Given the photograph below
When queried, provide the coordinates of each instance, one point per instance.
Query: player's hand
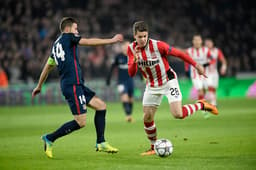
(223, 69)
(136, 55)
(36, 91)
(200, 70)
(118, 38)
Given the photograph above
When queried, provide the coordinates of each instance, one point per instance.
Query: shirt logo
(148, 63)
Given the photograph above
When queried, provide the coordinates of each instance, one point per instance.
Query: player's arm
(49, 65)
(223, 61)
(132, 62)
(171, 51)
(186, 58)
(99, 41)
(211, 59)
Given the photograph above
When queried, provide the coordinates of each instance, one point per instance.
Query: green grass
(227, 141)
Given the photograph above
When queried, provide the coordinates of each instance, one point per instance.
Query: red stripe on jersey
(164, 58)
(203, 49)
(74, 54)
(151, 79)
(76, 101)
(158, 69)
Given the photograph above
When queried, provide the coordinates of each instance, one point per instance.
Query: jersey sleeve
(132, 67)
(163, 47)
(75, 38)
(51, 61)
(220, 54)
(184, 56)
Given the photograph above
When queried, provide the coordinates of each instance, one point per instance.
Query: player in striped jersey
(212, 70)
(203, 56)
(65, 57)
(150, 57)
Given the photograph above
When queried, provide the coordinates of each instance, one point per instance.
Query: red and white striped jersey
(200, 55)
(153, 62)
(216, 54)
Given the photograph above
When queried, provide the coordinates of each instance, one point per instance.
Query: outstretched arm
(99, 41)
(132, 62)
(185, 57)
(47, 68)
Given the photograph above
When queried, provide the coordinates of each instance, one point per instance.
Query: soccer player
(64, 55)
(212, 70)
(125, 85)
(150, 57)
(202, 56)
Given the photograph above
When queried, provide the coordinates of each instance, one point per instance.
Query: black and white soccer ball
(163, 147)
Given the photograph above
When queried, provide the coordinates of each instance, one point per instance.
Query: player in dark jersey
(64, 55)
(125, 85)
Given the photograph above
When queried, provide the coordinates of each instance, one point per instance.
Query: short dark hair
(67, 21)
(140, 26)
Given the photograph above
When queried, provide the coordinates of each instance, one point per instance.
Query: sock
(150, 129)
(131, 106)
(127, 108)
(63, 130)
(200, 97)
(189, 109)
(212, 95)
(99, 122)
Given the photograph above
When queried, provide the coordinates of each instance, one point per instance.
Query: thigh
(97, 104)
(198, 83)
(75, 97)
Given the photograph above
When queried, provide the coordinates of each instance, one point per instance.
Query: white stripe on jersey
(161, 63)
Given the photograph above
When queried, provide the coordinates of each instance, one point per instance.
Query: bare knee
(81, 120)
(148, 117)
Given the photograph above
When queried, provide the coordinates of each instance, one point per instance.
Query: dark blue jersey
(65, 55)
(121, 61)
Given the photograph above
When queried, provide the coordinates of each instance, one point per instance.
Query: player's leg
(150, 103)
(99, 120)
(213, 81)
(175, 101)
(76, 99)
(127, 106)
(198, 84)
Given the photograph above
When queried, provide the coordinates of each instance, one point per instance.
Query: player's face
(141, 38)
(209, 44)
(73, 28)
(197, 41)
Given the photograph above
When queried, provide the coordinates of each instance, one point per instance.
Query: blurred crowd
(28, 29)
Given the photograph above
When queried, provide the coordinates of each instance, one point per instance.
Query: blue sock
(127, 108)
(99, 122)
(63, 130)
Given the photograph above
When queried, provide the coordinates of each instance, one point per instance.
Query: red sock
(150, 129)
(189, 109)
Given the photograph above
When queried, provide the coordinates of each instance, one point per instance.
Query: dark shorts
(126, 87)
(77, 96)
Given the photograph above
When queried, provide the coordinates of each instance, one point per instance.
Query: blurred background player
(150, 57)
(212, 70)
(202, 56)
(65, 56)
(125, 84)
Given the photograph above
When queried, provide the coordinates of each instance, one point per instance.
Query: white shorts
(213, 79)
(153, 96)
(200, 82)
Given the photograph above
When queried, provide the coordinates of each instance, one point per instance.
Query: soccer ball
(163, 147)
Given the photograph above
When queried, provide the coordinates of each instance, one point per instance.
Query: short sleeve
(75, 38)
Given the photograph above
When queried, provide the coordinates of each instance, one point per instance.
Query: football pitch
(227, 141)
